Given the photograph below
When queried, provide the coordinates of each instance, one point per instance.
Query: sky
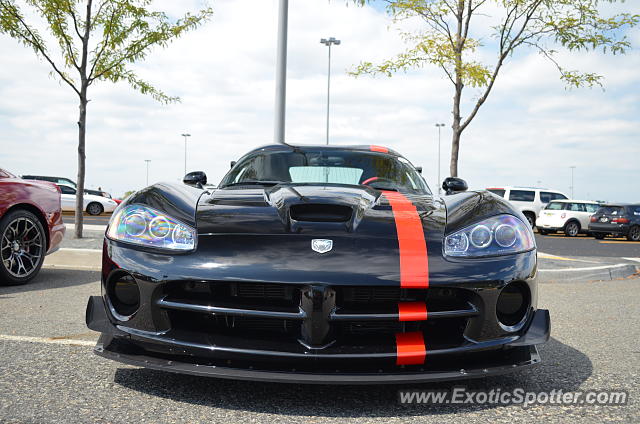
(530, 131)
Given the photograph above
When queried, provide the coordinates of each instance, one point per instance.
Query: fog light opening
(512, 306)
(124, 296)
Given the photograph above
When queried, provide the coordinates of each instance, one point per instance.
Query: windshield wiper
(253, 182)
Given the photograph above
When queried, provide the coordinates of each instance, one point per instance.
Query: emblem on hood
(321, 245)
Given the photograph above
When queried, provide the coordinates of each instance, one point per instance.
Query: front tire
(94, 208)
(634, 233)
(572, 229)
(23, 245)
(543, 232)
(599, 236)
(531, 218)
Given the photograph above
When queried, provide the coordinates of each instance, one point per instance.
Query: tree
(98, 41)
(447, 41)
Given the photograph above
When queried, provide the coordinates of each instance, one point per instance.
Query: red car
(30, 226)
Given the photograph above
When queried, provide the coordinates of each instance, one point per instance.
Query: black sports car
(319, 264)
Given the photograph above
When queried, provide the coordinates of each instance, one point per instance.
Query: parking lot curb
(593, 273)
(71, 227)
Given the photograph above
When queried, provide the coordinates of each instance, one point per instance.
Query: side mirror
(233, 163)
(453, 184)
(419, 169)
(196, 179)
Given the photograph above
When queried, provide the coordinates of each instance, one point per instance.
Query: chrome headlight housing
(144, 226)
(495, 236)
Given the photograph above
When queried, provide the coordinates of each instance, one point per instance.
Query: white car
(529, 200)
(94, 205)
(570, 216)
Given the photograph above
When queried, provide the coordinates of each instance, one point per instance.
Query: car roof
(524, 188)
(46, 176)
(321, 147)
(574, 201)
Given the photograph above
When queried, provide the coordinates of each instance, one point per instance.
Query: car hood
(266, 234)
(313, 210)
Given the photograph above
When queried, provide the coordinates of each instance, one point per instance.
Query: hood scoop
(317, 212)
(313, 207)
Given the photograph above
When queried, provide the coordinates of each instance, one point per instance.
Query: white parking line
(47, 340)
(72, 249)
(73, 267)
(632, 259)
(590, 268)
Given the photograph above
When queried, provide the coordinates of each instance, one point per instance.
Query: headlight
(499, 235)
(147, 227)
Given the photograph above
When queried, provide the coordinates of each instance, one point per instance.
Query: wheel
(531, 218)
(599, 236)
(543, 232)
(23, 245)
(634, 233)
(572, 229)
(95, 208)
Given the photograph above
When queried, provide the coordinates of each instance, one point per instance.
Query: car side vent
(320, 213)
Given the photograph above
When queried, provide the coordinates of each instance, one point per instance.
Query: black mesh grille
(357, 301)
(370, 294)
(359, 328)
(259, 291)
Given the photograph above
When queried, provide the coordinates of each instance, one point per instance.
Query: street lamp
(185, 152)
(572, 168)
(148, 162)
(329, 42)
(439, 126)
(281, 71)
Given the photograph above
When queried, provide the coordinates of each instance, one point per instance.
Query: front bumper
(326, 366)
(550, 223)
(108, 207)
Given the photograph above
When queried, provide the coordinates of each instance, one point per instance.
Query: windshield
(333, 167)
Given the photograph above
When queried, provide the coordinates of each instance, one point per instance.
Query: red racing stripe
(412, 311)
(380, 149)
(410, 348)
(414, 263)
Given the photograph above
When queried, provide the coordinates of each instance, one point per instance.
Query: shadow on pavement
(563, 367)
(52, 278)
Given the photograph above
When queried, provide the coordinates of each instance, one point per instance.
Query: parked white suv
(529, 200)
(570, 216)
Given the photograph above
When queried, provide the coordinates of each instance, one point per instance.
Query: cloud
(531, 129)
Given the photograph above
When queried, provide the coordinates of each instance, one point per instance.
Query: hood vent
(320, 213)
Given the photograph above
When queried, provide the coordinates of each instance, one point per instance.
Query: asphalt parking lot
(583, 245)
(48, 372)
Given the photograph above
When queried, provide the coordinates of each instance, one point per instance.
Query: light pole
(439, 126)
(148, 162)
(329, 42)
(185, 151)
(572, 168)
(281, 71)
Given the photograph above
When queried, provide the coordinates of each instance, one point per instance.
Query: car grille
(362, 315)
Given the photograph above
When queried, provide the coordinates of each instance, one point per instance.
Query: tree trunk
(457, 131)
(455, 148)
(459, 45)
(82, 126)
(82, 120)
